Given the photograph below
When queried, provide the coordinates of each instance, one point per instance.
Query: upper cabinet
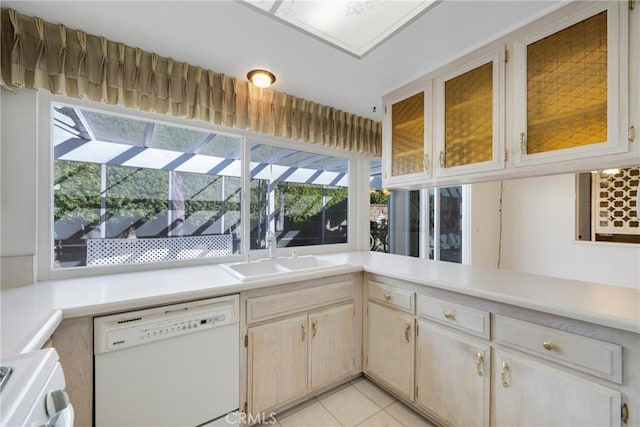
(559, 95)
(407, 132)
(469, 116)
(570, 86)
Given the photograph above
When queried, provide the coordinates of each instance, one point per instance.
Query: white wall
(18, 201)
(538, 236)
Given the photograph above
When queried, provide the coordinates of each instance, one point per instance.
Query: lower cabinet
(391, 348)
(452, 376)
(531, 393)
(277, 362)
(300, 341)
(333, 345)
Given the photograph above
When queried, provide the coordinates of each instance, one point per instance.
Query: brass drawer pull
(407, 328)
(479, 364)
(387, 297)
(448, 315)
(503, 374)
(548, 345)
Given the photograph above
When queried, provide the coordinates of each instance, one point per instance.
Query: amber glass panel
(407, 135)
(567, 87)
(468, 117)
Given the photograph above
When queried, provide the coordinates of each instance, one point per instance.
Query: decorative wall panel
(615, 202)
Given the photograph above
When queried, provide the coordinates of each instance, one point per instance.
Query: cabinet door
(453, 376)
(277, 358)
(571, 85)
(407, 134)
(390, 348)
(332, 350)
(530, 393)
(469, 116)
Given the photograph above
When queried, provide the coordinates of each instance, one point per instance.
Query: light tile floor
(357, 403)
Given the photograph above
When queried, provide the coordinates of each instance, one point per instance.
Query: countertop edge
(44, 332)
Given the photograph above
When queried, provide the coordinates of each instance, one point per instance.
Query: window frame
(465, 223)
(45, 253)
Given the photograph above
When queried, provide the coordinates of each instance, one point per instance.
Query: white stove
(32, 391)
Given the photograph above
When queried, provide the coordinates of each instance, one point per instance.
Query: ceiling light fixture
(261, 78)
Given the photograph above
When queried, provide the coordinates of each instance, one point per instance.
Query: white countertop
(30, 314)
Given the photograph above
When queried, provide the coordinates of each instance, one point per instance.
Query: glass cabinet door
(407, 135)
(569, 86)
(469, 110)
(407, 132)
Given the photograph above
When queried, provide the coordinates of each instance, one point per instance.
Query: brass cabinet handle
(448, 315)
(503, 374)
(425, 162)
(304, 333)
(387, 297)
(407, 328)
(523, 143)
(314, 328)
(548, 345)
(442, 158)
(479, 363)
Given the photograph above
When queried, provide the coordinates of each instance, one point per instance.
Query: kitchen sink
(268, 267)
(305, 262)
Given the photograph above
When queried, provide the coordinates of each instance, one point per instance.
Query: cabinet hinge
(417, 392)
(246, 408)
(632, 133)
(632, 4)
(506, 155)
(624, 413)
(417, 329)
(246, 340)
(506, 55)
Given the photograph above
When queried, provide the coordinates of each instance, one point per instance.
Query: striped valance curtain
(40, 55)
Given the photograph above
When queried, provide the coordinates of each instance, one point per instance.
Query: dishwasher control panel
(131, 329)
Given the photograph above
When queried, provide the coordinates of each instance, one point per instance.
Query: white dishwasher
(174, 365)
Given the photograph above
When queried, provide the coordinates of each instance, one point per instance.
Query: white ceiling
(231, 37)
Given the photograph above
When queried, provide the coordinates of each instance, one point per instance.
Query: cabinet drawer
(595, 357)
(461, 317)
(270, 306)
(395, 297)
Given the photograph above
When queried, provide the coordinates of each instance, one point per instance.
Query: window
(422, 223)
(446, 224)
(128, 190)
(378, 210)
(607, 206)
(300, 197)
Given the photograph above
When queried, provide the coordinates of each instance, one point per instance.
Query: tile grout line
(391, 415)
(366, 419)
(328, 411)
